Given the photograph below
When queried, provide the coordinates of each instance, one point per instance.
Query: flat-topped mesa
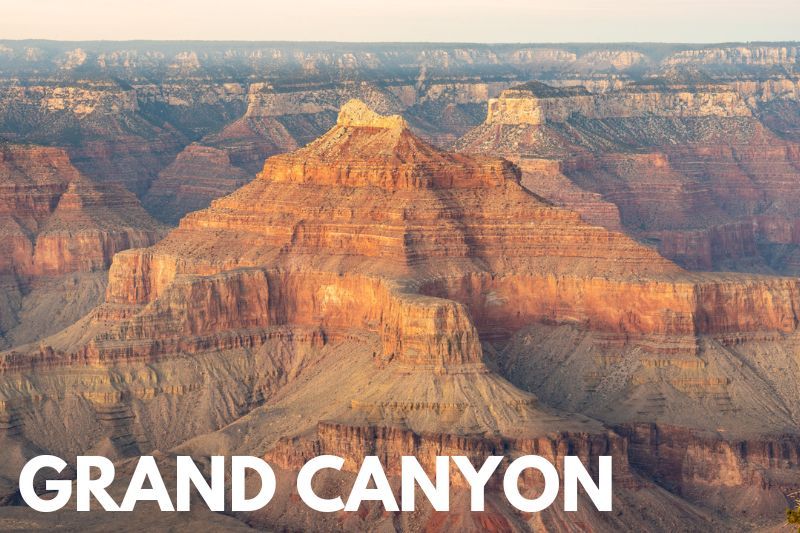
(536, 103)
(366, 149)
(685, 163)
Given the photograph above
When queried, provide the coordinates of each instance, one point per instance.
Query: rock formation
(369, 291)
(690, 167)
(198, 175)
(98, 123)
(58, 223)
(124, 112)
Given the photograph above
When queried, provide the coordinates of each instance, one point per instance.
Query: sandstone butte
(686, 167)
(59, 233)
(371, 294)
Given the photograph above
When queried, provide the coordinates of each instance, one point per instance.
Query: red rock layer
(353, 443)
(248, 141)
(367, 150)
(130, 160)
(710, 470)
(545, 177)
(56, 221)
(198, 175)
(369, 213)
(413, 262)
(710, 248)
(710, 169)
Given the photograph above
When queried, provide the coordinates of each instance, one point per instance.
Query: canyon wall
(690, 167)
(534, 103)
(124, 113)
(370, 293)
(57, 224)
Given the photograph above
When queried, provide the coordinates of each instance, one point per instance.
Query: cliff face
(124, 113)
(690, 167)
(58, 222)
(69, 222)
(370, 293)
(415, 275)
(178, 60)
(99, 123)
(536, 103)
(198, 175)
(742, 55)
(370, 201)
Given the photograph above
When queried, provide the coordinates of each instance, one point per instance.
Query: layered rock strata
(198, 175)
(690, 167)
(56, 223)
(416, 276)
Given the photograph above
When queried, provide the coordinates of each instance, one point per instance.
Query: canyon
(125, 111)
(293, 249)
(60, 232)
(686, 167)
(461, 307)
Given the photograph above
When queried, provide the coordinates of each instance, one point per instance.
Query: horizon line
(483, 43)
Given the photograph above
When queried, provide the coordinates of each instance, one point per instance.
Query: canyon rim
(409, 259)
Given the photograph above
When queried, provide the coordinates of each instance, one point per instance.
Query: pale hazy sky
(404, 20)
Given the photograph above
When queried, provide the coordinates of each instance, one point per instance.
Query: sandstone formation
(368, 292)
(99, 123)
(278, 120)
(124, 112)
(198, 175)
(57, 223)
(690, 167)
(425, 275)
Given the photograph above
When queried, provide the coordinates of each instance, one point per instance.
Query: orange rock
(351, 230)
(689, 167)
(409, 275)
(55, 221)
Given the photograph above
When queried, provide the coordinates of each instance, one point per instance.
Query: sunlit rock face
(691, 167)
(60, 231)
(198, 175)
(372, 293)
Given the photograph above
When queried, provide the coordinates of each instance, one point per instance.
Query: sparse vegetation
(793, 513)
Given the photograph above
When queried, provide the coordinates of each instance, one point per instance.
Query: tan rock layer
(708, 469)
(524, 105)
(58, 221)
(389, 444)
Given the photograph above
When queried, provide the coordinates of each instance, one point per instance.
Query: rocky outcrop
(707, 249)
(99, 123)
(370, 227)
(737, 55)
(545, 177)
(706, 469)
(689, 167)
(279, 120)
(536, 103)
(415, 275)
(91, 223)
(58, 222)
(198, 175)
